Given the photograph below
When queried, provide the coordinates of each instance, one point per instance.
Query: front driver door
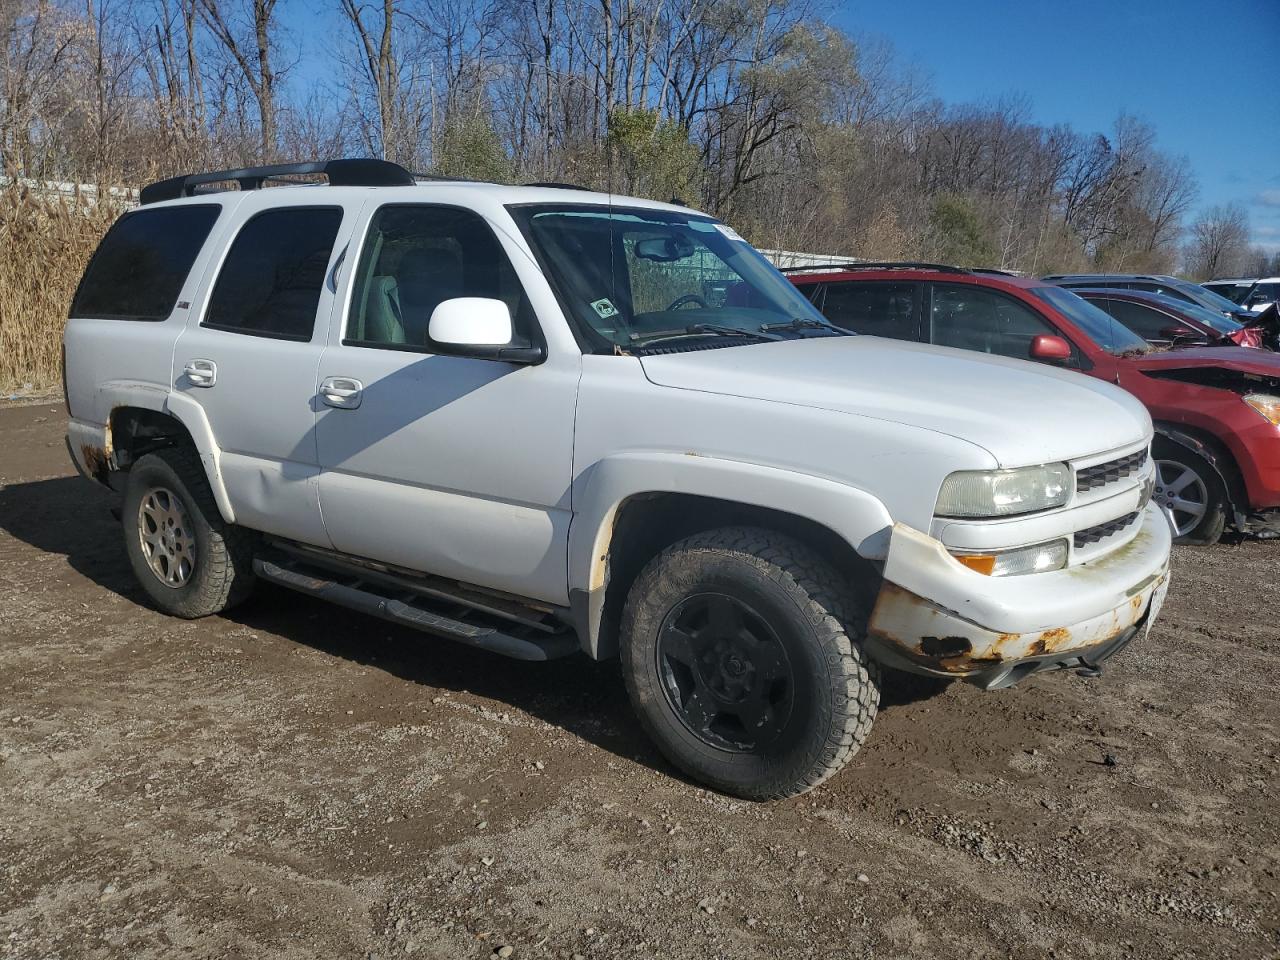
(454, 466)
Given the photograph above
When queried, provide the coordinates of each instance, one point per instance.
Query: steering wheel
(679, 302)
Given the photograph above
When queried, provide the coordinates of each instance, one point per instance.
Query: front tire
(738, 659)
(1190, 493)
(190, 562)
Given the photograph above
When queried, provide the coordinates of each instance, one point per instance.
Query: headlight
(1010, 563)
(1265, 404)
(1004, 493)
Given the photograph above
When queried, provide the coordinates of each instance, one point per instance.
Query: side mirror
(478, 327)
(1052, 349)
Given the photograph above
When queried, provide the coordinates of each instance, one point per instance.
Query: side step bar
(539, 647)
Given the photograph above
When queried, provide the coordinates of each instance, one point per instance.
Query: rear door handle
(341, 392)
(201, 373)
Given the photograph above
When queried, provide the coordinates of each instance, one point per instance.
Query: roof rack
(877, 265)
(341, 173)
(558, 186)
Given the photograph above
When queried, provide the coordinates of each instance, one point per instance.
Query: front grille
(1101, 474)
(1103, 530)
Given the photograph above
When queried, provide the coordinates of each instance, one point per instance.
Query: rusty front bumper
(937, 617)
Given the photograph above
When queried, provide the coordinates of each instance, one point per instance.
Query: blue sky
(1205, 73)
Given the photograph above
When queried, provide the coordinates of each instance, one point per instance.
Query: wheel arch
(1219, 457)
(636, 505)
(143, 420)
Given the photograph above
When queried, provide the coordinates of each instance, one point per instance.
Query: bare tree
(1219, 242)
(246, 35)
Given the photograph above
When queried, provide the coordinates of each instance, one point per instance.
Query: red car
(1216, 409)
(1165, 322)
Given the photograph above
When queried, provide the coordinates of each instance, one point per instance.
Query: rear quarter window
(143, 261)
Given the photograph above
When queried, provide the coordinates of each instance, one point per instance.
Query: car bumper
(937, 617)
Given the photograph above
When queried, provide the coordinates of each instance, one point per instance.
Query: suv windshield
(1204, 296)
(629, 276)
(1210, 318)
(1097, 324)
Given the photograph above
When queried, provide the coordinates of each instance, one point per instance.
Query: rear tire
(1190, 493)
(738, 658)
(190, 562)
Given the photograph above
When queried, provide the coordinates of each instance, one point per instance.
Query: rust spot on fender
(97, 462)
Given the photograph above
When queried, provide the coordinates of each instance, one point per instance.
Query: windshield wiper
(807, 323)
(698, 329)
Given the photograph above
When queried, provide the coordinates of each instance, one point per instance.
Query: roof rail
(341, 173)
(558, 186)
(877, 265)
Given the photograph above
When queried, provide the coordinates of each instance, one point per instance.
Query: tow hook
(1088, 670)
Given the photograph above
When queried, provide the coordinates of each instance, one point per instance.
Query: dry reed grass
(45, 243)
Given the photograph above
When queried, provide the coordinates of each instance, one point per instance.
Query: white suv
(540, 420)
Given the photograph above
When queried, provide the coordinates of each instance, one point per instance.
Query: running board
(359, 598)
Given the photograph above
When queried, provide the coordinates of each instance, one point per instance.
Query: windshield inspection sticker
(604, 308)
(729, 232)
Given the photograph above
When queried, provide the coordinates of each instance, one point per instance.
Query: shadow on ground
(72, 518)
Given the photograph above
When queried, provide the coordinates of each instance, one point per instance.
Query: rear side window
(270, 282)
(1145, 322)
(876, 308)
(142, 262)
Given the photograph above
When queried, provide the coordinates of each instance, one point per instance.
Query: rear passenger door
(876, 308)
(250, 353)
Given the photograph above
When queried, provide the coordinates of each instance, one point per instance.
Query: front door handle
(341, 392)
(201, 373)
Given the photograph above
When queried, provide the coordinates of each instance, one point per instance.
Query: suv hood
(1021, 413)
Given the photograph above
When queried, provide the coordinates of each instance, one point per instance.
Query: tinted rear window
(270, 283)
(142, 262)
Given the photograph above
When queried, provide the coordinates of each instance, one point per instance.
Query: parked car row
(539, 420)
(1216, 409)
(1254, 295)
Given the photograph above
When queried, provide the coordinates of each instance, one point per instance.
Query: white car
(541, 420)
(1264, 293)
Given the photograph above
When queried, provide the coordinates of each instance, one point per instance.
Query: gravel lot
(295, 781)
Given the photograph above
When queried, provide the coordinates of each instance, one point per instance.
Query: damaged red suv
(1216, 409)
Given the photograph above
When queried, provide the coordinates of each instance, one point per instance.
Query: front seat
(426, 278)
(382, 312)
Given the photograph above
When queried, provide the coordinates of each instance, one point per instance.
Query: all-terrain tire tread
(229, 577)
(831, 605)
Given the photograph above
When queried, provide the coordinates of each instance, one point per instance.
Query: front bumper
(937, 617)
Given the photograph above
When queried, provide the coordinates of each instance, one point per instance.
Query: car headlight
(1265, 404)
(1009, 563)
(1004, 493)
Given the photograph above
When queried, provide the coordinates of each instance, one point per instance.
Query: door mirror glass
(1049, 348)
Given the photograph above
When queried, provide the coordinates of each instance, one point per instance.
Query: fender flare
(148, 396)
(1212, 456)
(852, 514)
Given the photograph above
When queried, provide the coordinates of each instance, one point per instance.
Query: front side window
(1147, 322)
(270, 282)
(142, 263)
(1264, 293)
(415, 257)
(974, 318)
(630, 277)
(1103, 329)
(877, 308)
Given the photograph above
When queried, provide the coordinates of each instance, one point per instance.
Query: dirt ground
(296, 781)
